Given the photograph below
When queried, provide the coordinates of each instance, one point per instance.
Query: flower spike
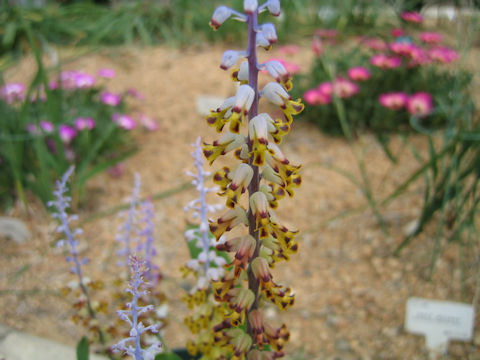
(266, 176)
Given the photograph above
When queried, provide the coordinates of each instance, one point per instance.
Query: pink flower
(393, 100)
(111, 99)
(124, 121)
(359, 73)
(397, 32)
(291, 67)
(53, 85)
(47, 126)
(148, 123)
(444, 55)
(326, 88)
(404, 48)
(420, 104)
(375, 44)
(385, 62)
(344, 88)
(431, 37)
(12, 92)
(83, 123)
(67, 133)
(76, 80)
(106, 73)
(289, 49)
(316, 97)
(412, 17)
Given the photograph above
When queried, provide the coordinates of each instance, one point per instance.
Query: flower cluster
(267, 176)
(86, 309)
(136, 236)
(132, 316)
(388, 68)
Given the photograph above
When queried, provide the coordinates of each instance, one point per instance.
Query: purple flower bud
(67, 133)
(83, 123)
(124, 121)
(12, 92)
(47, 126)
(111, 99)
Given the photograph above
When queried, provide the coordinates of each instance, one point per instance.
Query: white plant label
(439, 322)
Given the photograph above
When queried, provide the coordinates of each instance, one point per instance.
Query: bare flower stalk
(268, 176)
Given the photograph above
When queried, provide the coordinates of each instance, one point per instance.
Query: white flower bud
(244, 98)
(276, 70)
(229, 58)
(275, 93)
(262, 41)
(250, 6)
(268, 30)
(220, 15)
(243, 71)
(274, 7)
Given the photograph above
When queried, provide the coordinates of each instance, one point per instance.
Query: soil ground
(350, 291)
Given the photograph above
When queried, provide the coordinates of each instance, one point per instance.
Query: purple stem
(253, 283)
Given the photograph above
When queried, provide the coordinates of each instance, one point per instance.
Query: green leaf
(10, 32)
(82, 349)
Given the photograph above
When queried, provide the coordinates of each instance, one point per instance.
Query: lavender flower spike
(125, 231)
(200, 210)
(132, 314)
(62, 203)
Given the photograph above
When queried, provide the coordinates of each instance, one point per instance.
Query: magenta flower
(359, 73)
(385, 61)
(316, 97)
(106, 73)
(420, 104)
(76, 80)
(12, 92)
(344, 88)
(431, 37)
(47, 126)
(124, 121)
(67, 133)
(83, 80)
(393, 100)
(444, 55)
(412, 17)
(148, 123)
(375, 44)
(111, 99)
(397, 32)
(404, 48)
(326, 88)
(83, 123)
